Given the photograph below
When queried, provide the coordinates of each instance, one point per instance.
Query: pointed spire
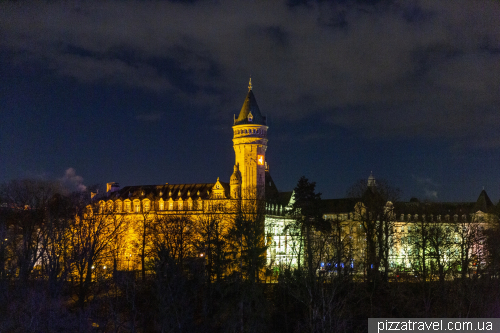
(371, 180)
(250, 107)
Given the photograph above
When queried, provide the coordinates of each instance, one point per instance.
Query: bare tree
(374, 212)
(441, 245)
(175, 235)
(26, 204)
(470, 237)
(93, 230)
(56, 245)
(211, 243)
(340, 247)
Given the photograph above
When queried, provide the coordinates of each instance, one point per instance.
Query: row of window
(341, 217)
(430, 217)
(146, 206)
(408, 217)
(250, 131)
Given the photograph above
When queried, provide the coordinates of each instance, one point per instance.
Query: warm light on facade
(260, 159)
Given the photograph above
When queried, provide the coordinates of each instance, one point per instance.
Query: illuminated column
(250, 144)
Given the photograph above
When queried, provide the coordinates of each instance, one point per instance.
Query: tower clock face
(260, 159)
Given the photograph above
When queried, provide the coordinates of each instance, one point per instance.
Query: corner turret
(235, 183)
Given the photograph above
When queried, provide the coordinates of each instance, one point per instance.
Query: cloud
(431, 194)
(380, 68)
(428, 186)
(72, 182)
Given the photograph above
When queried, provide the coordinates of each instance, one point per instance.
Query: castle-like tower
(250, 144)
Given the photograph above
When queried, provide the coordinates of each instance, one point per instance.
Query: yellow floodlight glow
(260, 159)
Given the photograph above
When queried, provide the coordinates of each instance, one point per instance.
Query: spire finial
(250, 84)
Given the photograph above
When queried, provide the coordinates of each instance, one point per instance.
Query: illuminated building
(249, 185)
(447, 224)
(252, 190)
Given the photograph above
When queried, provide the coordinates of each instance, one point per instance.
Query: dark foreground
(179, 304)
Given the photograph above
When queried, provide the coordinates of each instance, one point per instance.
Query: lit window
(171, 206)
(127, 206)
(137, 207)
(180, 205)
(118, 207)
(260, 159)
(161, 205)
(146, 206)
(190, 205)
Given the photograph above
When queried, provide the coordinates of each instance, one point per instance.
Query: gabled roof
(165, 192)
(271, 191)
(434, 208)
(336, 206)
(285, 198)
(250, 106)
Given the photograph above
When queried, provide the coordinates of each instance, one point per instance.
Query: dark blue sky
(144, 92)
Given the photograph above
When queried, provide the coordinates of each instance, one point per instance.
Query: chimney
(112, 187)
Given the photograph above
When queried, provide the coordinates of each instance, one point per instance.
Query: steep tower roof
(483, 203)
(250, 113)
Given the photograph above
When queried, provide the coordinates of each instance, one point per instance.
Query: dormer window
(250, 117)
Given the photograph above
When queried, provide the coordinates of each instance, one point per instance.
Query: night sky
(144, 92)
